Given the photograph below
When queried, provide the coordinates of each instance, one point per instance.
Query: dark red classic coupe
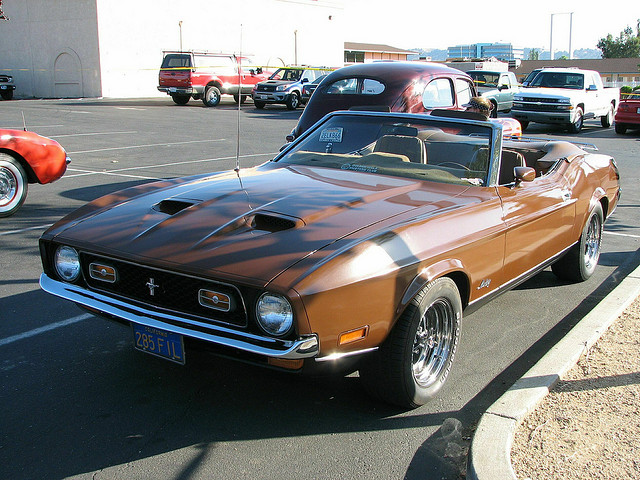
(360, 246)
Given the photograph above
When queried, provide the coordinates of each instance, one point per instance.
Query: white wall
(113, 48)
(50, 48)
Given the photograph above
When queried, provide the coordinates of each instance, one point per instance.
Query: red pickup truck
(207, 76)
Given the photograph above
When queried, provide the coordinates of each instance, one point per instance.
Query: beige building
(371, 52)
(113, 48)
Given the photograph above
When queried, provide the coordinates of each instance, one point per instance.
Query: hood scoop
(171, 206)
(270, 222)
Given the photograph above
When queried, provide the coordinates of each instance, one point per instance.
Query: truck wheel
(607, 120)
(414, 361)
(13, 185)
(180, 99)
(258, 104)
(576, 126)
(524, 124)
(494, 110)
(293, 101)
(211, 97)
(621, 129)
(6, 94)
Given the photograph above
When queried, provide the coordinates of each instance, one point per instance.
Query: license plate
(173, 89)
(158, 342)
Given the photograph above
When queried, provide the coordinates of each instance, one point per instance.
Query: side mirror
(259, 70)
(252, 71)
(524, 174)
(592, 88)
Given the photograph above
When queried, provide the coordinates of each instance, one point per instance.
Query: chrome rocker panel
(304, 347)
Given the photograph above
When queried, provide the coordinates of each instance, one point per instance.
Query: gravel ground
(589, 424)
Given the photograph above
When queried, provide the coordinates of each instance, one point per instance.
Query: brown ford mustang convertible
(358, 247)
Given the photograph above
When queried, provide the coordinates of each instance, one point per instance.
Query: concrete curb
(490, 453)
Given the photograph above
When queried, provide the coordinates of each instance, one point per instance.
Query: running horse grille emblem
(152, 286)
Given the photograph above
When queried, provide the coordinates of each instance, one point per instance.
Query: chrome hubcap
(433, 341)
(592, 243)
(8, 186)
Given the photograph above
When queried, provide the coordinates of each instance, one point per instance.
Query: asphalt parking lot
(79, 402)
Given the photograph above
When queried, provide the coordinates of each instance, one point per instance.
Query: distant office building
(501, 51)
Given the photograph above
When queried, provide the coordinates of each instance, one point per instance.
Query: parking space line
(84, 173)
(129, 147)
(187, 162)
(622, 234)
(46, 328)
(89, 134)
(39, 227)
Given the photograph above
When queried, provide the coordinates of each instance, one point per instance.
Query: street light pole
(180, 27)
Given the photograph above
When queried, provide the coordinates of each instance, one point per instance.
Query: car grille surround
(166, 290)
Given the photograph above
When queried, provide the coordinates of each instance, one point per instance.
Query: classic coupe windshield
(429, 149)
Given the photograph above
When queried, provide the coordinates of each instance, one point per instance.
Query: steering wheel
(456, 164)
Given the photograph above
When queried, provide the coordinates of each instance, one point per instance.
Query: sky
(439, 24)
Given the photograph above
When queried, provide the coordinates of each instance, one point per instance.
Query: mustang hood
(255, 225)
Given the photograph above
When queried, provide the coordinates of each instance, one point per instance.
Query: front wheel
(239, 98)
(579, 263)
(607, 120)
(293, 101)
(211, 96)
(13, 185)
(576, 126)
(414, 361)
(258, 104)
(524, 124)
(6, 94)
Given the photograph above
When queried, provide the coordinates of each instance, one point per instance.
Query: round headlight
(67, 263)
(274, 314)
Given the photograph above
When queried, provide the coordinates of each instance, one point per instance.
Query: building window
(353, 57)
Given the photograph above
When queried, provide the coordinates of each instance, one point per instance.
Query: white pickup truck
(565, 96)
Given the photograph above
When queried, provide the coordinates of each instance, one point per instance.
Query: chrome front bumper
(303, 347)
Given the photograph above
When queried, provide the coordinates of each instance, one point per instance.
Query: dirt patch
(589, 424)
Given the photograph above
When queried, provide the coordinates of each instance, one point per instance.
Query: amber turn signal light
(353, 335)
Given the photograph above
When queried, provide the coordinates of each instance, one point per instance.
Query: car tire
(494, 110)
(524, 124)
(607, 120)
(259, 105)
(579, 263)
(180, 99)
(293, 101)
(6, 94)
(576, 126)
(14, 184)
(414, 362)
(211, 97)
(240, 98)
(620, 128)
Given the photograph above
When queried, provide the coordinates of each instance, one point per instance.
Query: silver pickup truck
(566, 96)
(498, 87)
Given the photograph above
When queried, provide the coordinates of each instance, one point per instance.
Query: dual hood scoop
(172, 206)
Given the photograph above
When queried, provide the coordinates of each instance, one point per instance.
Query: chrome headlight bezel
(67, 263)
(274, 314)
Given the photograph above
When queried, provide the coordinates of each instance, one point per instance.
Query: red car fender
(44, 159)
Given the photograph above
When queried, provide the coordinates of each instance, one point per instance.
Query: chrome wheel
(592, 242)
(433, 341)
(13, 185)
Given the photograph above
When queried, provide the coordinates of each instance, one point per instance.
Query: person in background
(479, 105)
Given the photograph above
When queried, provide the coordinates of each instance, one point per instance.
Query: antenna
(239, 64)
(24, 122)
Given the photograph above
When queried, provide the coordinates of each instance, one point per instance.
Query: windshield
(559, 80)
(485, 79)
(288, 74)
(432, 150)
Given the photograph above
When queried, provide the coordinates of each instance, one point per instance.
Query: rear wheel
(211, 96)
(621, 129)
(13, 185)
(607, 120)
(576, 126)
(579, 263)
(524, 124)
(414, 362)
(180, 99)
(494, 110)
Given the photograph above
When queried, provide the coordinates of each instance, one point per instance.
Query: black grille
(171, 291)
(546, 100)
(266, 88)
(533, 107)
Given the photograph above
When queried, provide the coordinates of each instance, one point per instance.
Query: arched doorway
(67, 75)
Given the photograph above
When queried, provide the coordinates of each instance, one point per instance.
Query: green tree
(627, 45)
(534, 54)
